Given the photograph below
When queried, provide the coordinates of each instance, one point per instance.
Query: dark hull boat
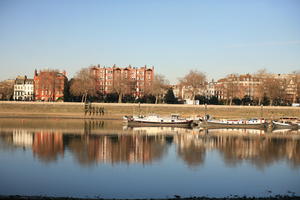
(248, 124)
(284, 125)
(153, 121)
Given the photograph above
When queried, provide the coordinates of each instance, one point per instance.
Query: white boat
(225, 123)
(155, 120)
(284, 125)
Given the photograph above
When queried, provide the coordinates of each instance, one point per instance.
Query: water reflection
(99, 142)
(47, 145)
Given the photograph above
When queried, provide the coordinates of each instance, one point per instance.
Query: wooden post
(139, 108)
(261, 111)
(205, 116)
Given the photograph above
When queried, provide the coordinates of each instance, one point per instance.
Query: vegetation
(195, 81)
(123, 85)
(83, 84)
(170, 97)
(6, 90)
(269, 89)
(159, 87)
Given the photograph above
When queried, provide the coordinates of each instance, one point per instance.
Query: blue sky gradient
(215, 37)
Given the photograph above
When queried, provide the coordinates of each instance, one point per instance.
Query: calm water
(104, 159)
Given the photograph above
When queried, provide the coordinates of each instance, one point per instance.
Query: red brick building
(108, 76)
(49, 85)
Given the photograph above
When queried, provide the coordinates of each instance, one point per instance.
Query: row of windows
(46, 92)
(123, 71)
(19, 93)
(132, 78)
(22, 87)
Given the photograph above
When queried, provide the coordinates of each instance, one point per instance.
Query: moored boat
(284, 125)
(155, 120)
(225, 123)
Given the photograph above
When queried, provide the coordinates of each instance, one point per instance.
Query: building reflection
(22, 138)
(48, 145)
(117, 149)
(147, 145)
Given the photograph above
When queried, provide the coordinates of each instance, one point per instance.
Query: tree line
(83, 87)
(267, 89)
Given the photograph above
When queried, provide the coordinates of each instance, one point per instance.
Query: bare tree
(297, 86)
(84, 84)
(260, 90)
(194, 81)
(123, 84)
(158, 87)
(6, 89)
(274, 88)
(49, 82)
(231, 88)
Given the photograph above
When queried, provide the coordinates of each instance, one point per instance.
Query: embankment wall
(116, 111)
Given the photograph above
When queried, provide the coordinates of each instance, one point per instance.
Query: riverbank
(116, 111)
(277, 197)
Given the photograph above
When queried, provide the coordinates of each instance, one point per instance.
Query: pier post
(139, 108)
(205, 116)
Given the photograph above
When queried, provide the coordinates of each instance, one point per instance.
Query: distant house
(49, 85)
(23, 89)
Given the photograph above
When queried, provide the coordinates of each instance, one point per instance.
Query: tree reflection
(87, 149)
(192, 151)
(116, 149)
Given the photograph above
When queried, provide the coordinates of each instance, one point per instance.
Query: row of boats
(207, 122)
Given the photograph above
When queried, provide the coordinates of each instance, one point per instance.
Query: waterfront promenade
(12, 109)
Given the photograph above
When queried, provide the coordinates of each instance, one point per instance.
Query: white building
(211, 89)
(23, 89)
(22, 137)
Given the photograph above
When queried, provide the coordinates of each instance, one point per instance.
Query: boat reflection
(99, 143)
(160, 130)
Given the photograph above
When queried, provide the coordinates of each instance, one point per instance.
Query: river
(86, 158)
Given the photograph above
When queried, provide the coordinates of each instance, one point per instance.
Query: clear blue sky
(215, 37)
